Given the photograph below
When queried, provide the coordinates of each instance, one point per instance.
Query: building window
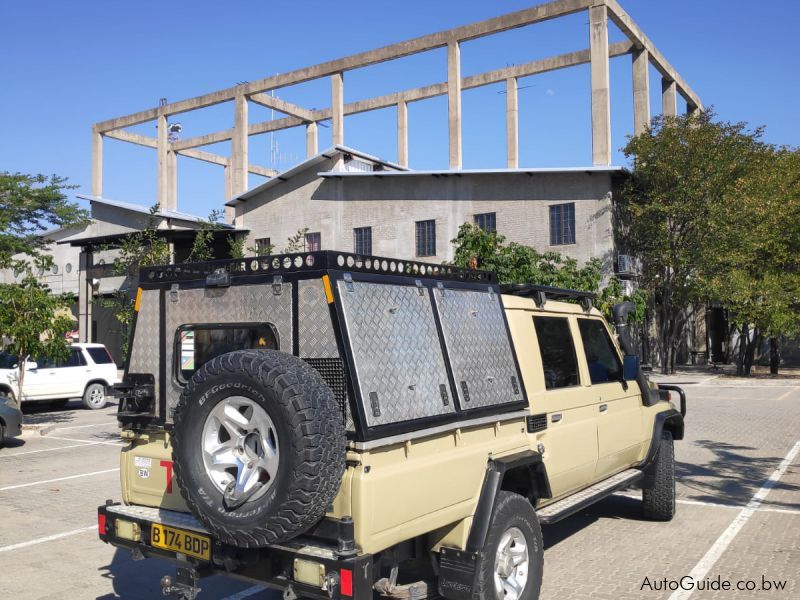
(426, 238)
(562, 224)
(487, 221)
(313, 241)
(263, 246)
(362, 240)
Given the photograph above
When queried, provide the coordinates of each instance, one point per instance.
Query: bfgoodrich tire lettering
(308, 432)
(658, 502)
(513, 518)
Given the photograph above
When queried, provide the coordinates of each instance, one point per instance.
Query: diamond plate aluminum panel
(396, 350)
(144, 351)
(239, 304)
(317, 339)
(478, 347)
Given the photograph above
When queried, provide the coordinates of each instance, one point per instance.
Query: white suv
(85, 373)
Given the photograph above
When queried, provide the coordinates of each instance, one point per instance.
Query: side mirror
(630, 367)
(31, 366)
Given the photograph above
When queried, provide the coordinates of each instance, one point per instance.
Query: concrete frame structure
(237, 166)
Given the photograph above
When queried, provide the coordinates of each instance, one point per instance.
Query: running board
(580, 500)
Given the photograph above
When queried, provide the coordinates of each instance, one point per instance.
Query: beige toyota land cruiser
(342, 426)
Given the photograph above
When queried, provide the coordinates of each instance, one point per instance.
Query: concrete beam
(622, 20)
(162, 147)
(669, 98)
(402, 134)
(274, 125)
(143, 140)
(287, 108)
(691, 109)
(337, 108)
(512, 124)
(97, 163)
(421, 44)
(641, 91)
(208, 157)
(263, 171)
(454, 103)
(601, 101)
(203, 140)
(312, 140)
(239, 158)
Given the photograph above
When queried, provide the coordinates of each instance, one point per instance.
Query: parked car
(10, 419)
(85, 373)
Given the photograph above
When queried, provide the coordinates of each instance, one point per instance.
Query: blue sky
(70, 64)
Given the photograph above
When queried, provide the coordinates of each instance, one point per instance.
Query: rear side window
(601, 357)
(100, 356)
(558, 352)
(198, 344)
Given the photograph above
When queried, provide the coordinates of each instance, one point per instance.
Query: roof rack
(280, 264)
(540, 293)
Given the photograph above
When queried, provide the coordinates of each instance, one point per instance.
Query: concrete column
(512, 124)
(337, 108)
(601, 104)
(230, 212)
(162, 148)
(669, 98)
(239, 158)
(691, 108)
(85, 293)
(312, 140)
(641, 90)
(454, 102)
(97, 163)
(171, 200)
(402, 133)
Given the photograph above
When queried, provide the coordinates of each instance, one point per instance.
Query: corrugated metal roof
(460, 172)
(166, 214)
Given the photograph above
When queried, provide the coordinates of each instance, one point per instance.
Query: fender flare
(528, 461)
(670, 420)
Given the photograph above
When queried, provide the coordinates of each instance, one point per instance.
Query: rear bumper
(13, 422)
(280, 566)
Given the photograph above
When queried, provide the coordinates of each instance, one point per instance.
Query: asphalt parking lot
(738, 514)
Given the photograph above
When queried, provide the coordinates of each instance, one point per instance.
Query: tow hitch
(184, 585)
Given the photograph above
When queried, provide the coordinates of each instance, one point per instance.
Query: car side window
(75, 359)
(557, 350)
(601, 356)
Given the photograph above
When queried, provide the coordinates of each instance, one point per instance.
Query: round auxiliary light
(340, 260)
(287, 262)
(350, 261)
(310, 260)
(298, 261)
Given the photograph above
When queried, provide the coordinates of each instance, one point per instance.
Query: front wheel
(94, 397)
(510, 567)
(658, 501)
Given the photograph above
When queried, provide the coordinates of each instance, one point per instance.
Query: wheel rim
(511, 565)
(96, 395)
(240, 445)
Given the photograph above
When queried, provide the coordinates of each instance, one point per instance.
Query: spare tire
(258, 447)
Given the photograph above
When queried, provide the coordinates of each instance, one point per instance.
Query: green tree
(685, 169)
(34, 322)
(30, 204)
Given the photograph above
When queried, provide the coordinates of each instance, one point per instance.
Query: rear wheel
(658, 501)
(94, 397)
(510, 567)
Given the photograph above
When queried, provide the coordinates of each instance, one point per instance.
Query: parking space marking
(24, 485)
(786, 511)
(112, 422)
(50, 449)
(49, 538)
(702, 568)
(54, 437)
(251, 591)
(787, 394)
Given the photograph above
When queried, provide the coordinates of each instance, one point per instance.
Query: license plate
(178, 540)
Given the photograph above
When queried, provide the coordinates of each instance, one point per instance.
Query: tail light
(101, 524)
(346, 582)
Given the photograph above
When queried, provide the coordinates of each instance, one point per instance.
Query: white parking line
(786, 511)
(786, 395)
(49, 538)
(251, 591)
(54, 437)
(114, 422)
(24, 485)
(723, 541)
(50, 449)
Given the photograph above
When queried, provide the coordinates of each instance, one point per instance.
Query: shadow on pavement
(613, 507)
(12, 443)
(731, 476)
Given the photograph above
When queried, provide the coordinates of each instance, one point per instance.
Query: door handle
(556, 418)
(603, 407)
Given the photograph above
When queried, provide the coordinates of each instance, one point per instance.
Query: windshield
(7, 361)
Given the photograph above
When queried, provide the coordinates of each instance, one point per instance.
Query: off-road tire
(90, 393)
(510, 510)
(310, 436)
(658, 501)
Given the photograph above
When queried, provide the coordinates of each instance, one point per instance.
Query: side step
(580, 500)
